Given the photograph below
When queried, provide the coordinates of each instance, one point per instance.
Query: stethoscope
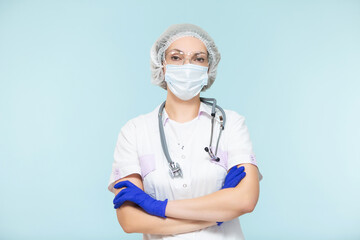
(175, 170)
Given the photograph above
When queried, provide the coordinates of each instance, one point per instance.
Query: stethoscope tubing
(175, 169)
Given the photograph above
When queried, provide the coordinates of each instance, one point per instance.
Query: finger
(122, 184)
(230, 174)
(237, 180)
(120, 194)
(119, 202)
(117, 205)
(236, 174)
(233, 169)
(241, 169)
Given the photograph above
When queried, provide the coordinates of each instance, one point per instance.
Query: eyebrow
(175, 49)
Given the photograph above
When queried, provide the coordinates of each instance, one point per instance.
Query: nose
(187, 59)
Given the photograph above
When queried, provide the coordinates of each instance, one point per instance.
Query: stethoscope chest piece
(175, 170)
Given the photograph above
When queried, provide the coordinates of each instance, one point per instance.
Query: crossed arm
(192, 214)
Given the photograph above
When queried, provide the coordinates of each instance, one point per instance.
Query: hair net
(173, 33)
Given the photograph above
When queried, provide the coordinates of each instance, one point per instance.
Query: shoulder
(233, 118)
(142, 120)
(231, 114)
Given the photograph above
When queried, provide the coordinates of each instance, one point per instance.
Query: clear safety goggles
(178, 57)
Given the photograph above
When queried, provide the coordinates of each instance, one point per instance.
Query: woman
(169, 182)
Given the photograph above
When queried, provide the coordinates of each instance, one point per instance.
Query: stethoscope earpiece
(212, 155)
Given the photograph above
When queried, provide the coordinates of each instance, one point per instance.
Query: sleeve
(126, 160)
(240, 149)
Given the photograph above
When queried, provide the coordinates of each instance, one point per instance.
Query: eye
(175, 58)
(200, 59)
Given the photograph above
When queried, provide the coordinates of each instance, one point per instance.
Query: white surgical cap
(173, 33)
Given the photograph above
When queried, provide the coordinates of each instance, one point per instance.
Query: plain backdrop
(72, 73)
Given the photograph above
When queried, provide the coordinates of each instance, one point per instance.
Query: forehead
(187, 44)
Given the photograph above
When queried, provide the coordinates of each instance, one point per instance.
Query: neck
(182, 111)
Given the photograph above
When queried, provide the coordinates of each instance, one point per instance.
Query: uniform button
(184, 185)
(183, 156)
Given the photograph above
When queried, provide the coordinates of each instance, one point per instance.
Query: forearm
(222, 205)
(219, 206)
(135, 220)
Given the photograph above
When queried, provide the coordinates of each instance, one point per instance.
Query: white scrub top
(139, 150)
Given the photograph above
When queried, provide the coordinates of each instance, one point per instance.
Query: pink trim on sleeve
(116, 174)
(253, 159)
(223, 155)
(147, 164)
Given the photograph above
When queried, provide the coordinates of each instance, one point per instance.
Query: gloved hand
(232, 179)
(134, 194)
(234, 176)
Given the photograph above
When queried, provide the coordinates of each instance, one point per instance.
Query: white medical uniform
(139, 150)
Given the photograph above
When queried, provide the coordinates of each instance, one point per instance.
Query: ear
(164, 68)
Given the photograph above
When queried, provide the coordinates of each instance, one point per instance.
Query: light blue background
(73, 72)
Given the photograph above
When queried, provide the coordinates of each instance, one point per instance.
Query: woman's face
(186, 45)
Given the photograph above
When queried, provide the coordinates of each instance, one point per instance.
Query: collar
(204, 110)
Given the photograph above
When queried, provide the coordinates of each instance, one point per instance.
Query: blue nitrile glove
(134, 194)
(232, 179)
(234, 176)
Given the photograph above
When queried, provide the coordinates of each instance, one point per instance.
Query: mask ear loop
(163, 60)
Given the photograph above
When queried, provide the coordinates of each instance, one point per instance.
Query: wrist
(163, 208)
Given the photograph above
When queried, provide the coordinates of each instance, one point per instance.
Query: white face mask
(186, 81)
